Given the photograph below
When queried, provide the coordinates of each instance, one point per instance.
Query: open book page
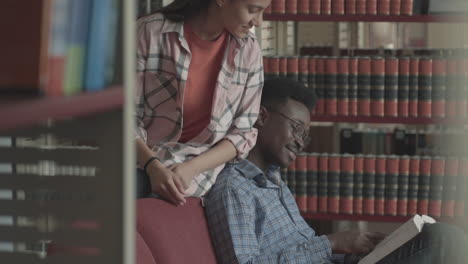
(397, 238)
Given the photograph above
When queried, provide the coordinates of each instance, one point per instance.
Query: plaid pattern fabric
(253, 220)
(163, 59)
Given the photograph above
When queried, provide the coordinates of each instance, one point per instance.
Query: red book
(315, 6)
(377, 86)
(301, 182)
(350, 7)
(291, 7)
(450, 187)
(303, 6)
(462, 80)
(361, 7)
(451, 88)
(403, 186)
(424, 185)
(413, 87)
(346, 184)
(391, 86)
(330, 85)
(274, 67)
(439, 73)
(425, 88)
(292, 65)
(268, 9)
(368, 189)
(406, 7)
(319, 85)
(353, 87)
(334, 183)
(325, 7)
(283, 66)
(413, 185)
(323, 183)
(371, 7)
(395, 7)
(304, 70)
(312, 182)
(380, 173)
(436, 186)
(358, 184)
(364, 74)
(461, 187)
(383, 7)
(403, 86)
(338, 7)
(311, 78)
(278, 6)
(343, 86)
(391, 185)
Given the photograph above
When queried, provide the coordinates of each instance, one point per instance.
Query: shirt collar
(252, 172)
(178, 27)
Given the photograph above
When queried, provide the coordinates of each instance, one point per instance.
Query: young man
(253, 217)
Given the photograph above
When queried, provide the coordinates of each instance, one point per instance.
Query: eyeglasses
(299, 131)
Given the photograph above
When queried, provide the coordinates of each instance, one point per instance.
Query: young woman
(200, 77)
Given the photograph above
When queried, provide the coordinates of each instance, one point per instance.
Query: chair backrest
(175, 234)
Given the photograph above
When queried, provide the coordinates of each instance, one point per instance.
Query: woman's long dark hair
(181, 10)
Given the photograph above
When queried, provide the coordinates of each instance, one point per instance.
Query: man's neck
(257, 159)
(207, 25)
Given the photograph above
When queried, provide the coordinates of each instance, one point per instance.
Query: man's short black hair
(276, 91)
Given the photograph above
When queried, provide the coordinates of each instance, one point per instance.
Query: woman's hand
(184, 173)
(163, 182)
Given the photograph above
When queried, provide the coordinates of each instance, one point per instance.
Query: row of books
(379, 86)
(341, 7)
(75, 46)
(328, 50)
(400, 141)
(378, 185)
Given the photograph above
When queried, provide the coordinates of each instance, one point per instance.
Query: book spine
(303, 7)
(380, 171)
(425, 88)
(353, 87)
(439, 73)
(312, 182)
(424, 185)
(391, 86)
(292, 64)
(371, 7)
(338, 7)
(346, 184)
(383, 7)
(403, 186)
(304, 70)
(343, 87)
(395, 7)
(462, 82)
(301, 182)
(291, 7)
(403, 86)
(350, 7)
(273, 66)
(364, 72)
(323, 183)
(451, 88)
(333, 184)
(278, 6)
(292, 178)
(315, 6)
(413, 185)
(361, 7)
(450, 187)
(319, 88)
(330, 79)
(358, 184)
(368, 190)
(413, 87)
(461, 187)
(266, 67)
(311, 78)
(325, 7)
(377, 86)
(436, 186)
(407, 7)
(283, 66)
(391, 185)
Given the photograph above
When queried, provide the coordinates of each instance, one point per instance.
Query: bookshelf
(368, 18)
(67, 159)
(388, 120)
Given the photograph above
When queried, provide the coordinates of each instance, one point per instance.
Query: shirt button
(304, 245)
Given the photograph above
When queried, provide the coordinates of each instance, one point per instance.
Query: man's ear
(262, 117)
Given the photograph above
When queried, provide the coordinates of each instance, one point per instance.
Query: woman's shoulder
(155, 22)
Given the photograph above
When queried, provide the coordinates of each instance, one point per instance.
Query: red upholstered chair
(174, 234)
(143, 253)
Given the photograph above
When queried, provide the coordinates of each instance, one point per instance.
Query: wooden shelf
(455, 18)
(21, 113)
(373, 218)
(388, 120)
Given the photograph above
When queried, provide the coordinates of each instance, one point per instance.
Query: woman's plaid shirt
(163, 60)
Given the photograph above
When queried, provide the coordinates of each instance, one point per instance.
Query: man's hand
(351, 242)
(163, 183)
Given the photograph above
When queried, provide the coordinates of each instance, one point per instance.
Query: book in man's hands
(397, 238)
